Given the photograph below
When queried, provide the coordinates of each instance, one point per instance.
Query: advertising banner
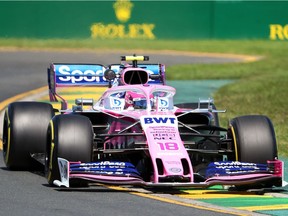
(147, 20)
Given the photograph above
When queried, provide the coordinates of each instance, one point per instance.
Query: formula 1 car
(134, 134)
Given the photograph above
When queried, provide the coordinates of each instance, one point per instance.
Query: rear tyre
(69, 137)
(24, 133)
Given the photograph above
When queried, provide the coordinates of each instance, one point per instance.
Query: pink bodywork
(160, 128)
(159, 125)
(164, 143)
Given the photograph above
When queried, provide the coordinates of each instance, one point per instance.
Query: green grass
(260, 87)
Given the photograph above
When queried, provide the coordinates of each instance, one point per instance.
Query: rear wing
(72, 75)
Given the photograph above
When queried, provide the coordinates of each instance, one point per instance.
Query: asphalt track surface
(26, 193)
(21, 71)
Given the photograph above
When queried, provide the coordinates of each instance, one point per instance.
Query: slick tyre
(24, 133)
(254, 139)
(69, 137)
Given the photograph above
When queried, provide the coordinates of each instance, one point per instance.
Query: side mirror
(109, 75)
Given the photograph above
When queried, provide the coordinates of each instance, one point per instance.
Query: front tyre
(255, 142)
(254, 139)
(69, 137)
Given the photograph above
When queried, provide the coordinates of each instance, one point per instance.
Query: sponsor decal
(235, 164)
(164, 136)
(175, 170)
(117, 103)
(173, 162)
(164, 102)
(123, 11)
(278, 32)
(159, 120)
(163, 133)
(79, 74)
(233, 168)
(110, 163)
(105, 168)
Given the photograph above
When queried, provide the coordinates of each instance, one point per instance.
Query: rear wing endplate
(68, 75)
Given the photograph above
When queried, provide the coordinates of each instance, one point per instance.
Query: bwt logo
(117, 102)
(163, 103)
(159, 120)
(75, 76)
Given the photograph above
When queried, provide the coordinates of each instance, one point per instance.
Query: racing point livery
(135, 135)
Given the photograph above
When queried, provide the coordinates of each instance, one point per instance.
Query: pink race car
(134, 134)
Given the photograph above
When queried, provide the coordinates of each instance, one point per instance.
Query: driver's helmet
(139, 103)
(135, 100)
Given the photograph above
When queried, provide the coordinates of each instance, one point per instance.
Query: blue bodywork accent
(223, 168)
(77, 74)
(106, 168)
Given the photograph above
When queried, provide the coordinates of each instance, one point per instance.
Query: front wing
(123, 173)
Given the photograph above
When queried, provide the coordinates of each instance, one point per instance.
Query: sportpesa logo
(79, 74)
(85, 74)
(123, 11)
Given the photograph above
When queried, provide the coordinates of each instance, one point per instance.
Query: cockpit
(158, 98)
